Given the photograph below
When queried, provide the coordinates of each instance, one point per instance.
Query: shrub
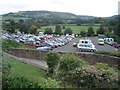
(5, 68)
(70, 62)
(66, 68)
(102, 65)
(50, 83)
(13, 44)
(18, 82)
(78, 73)
(52, 59)
(91, 76)
(9, 43)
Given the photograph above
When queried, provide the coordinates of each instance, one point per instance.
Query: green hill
(44, 15)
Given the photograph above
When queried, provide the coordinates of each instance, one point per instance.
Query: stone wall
(89, 57)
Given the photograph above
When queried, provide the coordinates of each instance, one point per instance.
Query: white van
(108, 40)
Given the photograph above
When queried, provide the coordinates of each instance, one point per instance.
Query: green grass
(42, 29)
(28, 71)
(76, 29)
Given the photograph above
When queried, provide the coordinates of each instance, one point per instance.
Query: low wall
(91, 58)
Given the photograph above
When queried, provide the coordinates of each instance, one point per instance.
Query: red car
(32, 43)
(114, 43)
(117, 46)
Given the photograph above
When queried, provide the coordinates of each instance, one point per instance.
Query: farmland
(76, 29)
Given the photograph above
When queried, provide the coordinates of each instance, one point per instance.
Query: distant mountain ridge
(47, 15)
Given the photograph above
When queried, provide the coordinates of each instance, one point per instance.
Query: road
(69, 47)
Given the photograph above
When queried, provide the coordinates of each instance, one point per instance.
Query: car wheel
(92, 50)
(80, 49)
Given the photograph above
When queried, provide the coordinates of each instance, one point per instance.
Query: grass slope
(28, 71)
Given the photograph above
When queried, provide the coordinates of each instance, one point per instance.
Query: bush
(50, 83)
(18, 82)
(102, 65)
(78, 73)
(6, 43)
(52, 59)
(5, 68)
(66, 68)
(117, 54)
(70, 62)
(91, 77)
(9, 43)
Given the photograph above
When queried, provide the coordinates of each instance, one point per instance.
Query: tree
(90, 31)
(79, 24)
(12, 26)
(24, 28)
(33, 29)
(83, 33)
(101, 30)
(21, 20)
(58, 29)
(48, 31)
(68, 31)
(12, 22)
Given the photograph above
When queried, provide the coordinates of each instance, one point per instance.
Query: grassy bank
(28, 71)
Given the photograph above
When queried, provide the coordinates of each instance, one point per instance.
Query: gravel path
(37, 63)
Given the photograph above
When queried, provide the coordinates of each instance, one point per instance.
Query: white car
(101, 41)
(86, 47)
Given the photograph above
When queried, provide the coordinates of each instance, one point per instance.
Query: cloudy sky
(100, 8)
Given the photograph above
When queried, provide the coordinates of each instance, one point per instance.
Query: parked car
(75, 44)
(86, 47)
(44, 44)
(32, 43)
(108, 40)
(117, 46)
(114, 43)
(44, 48)
(101, 41)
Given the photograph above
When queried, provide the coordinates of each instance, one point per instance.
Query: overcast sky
(100, 8)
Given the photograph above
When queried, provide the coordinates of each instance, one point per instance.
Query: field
(76, 29)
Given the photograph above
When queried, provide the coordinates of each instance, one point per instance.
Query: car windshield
(101, 41)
